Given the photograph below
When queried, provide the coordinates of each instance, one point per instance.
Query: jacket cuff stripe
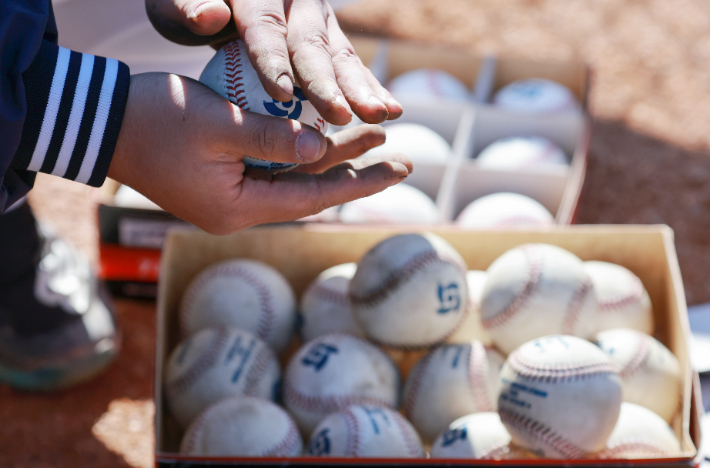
(50, 113)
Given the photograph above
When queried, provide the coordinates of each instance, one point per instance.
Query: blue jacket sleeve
(60, 110)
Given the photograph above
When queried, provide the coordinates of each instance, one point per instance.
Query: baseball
(410, 291)
(365, 431)
(421, 144)
(622, 301)
(325, 305)
(521, 153)
(333, 372)
(504, 210)
(535, 290)
(535, 95)
(398, 204)
(217, 363)
(244, 427)
(428, 83)
(231, 75)
(478, 436)
(560, 397)
(471, 327)
(644, 363)
(640, 433)
(246, 294)
(128, 198)
(450, 382)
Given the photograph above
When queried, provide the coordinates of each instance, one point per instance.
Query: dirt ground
(649, 163)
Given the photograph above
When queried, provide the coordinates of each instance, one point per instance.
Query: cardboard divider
(301, 252)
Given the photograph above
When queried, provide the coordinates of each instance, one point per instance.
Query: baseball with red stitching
(231, 75)
(246, 294)
(641, 433)
(471, 327)
(398, 204)
(535, 290)
(428, 83)
(333, 372)
(245, 427)
(216, 363)
(325, 306)
(517, 153)
(560, 397)
(479, 436)
(650, 372)
(365, 431)
(410, 291)
(622, 300)
(504, 210)
(450, 382)
(535, 96)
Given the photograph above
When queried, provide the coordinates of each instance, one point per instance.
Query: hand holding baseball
(279, 33)
(182, 146)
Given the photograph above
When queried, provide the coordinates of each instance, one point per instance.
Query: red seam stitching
(257, 369)
(622, 300)
(417, 376)
(232, 59)
(543, 433)
(639, 357)
(535, 262)
(352, 434)
(575, 306)
(328, 403)
(477, 376)
(558, 373)
(321, 291)
(622, 448)
(410, 441)
(287, 445)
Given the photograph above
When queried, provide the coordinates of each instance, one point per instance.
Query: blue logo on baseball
(291, 109)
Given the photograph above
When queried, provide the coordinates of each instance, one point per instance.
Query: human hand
(182, 145)
(278, 33)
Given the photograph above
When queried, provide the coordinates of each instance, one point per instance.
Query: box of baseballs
(328, 345)
(496, 143)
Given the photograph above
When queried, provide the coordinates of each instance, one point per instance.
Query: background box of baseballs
(301, 252)
(469, 126)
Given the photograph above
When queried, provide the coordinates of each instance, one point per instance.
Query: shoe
(57, 323)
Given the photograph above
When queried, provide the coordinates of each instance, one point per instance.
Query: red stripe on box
(128, 264)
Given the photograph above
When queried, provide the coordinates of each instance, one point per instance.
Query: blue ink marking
(242, 351)
(318, 355)
(371, 413)
(458, 349)
(320, 444)
(291, 109)
(452, 435)
(530, 390)
(449, 298)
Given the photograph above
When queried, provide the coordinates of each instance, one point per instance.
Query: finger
(346, 144)
(187, 21)
(290, 196)
(237, 132)
(262, 25)
(368, 99)
(309, 48)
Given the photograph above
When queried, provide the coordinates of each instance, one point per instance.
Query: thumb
(204, 17)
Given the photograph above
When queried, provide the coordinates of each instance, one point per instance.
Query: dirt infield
(649, 163)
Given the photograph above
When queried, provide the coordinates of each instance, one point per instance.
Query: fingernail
(375, 101)
(343, 103)
(285, 84)
(307, 146)
(199, 9)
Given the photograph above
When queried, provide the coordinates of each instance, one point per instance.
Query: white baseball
(560, 397)
(231, 75)
(421, 144)
(535, 290)
(622, 301)
(246, 294)
(650, 372)
(476, 436)
(640, 433)
(521, 153)
(325, 305)
(471, 327)
(428, 83)
(398, 204)
(504, 210)
(365, 431)
(450, 382)
(535, 95)
(333, 372)
(242, 427)
(217, 363)
(410, 290)
(127, 197)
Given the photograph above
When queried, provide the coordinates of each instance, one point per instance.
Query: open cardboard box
(470, 126)
(301, 252)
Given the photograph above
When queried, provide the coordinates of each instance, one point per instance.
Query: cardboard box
(302, 252)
